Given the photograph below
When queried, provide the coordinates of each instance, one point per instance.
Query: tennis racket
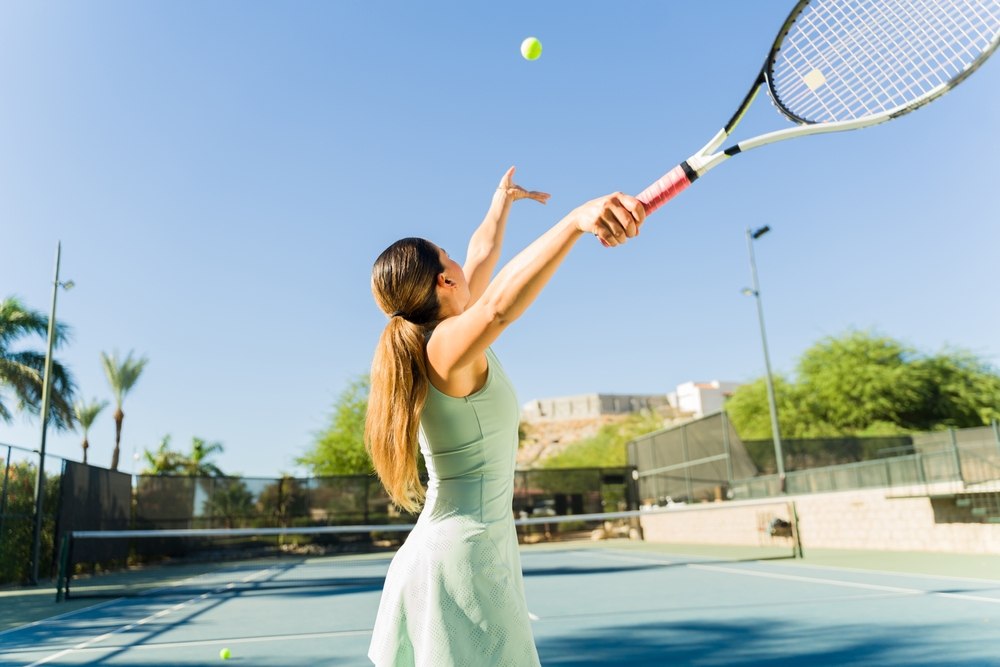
(841, 65)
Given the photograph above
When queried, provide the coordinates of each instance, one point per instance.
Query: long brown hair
(404, 282)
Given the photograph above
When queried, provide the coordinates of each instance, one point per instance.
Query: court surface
(631, 607)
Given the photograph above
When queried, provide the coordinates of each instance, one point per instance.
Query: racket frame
(710, 157)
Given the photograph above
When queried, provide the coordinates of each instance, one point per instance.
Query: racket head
(842, 60)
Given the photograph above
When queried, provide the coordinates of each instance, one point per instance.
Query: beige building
(589, 406)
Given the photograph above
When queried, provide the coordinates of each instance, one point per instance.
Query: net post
(797, 549)
(62, 583)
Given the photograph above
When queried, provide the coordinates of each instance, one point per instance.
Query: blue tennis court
(634, 605)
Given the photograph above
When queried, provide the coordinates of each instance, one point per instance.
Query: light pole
(36, 547)
(755, 292)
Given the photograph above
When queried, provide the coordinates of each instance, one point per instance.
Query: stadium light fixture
(772, 404)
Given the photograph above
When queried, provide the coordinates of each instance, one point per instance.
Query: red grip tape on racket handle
(665, 189)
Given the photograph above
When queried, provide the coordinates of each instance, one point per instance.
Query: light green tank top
(470, 447)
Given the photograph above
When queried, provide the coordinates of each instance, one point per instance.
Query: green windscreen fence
(693, 461)
(810, 453)
(172, 503)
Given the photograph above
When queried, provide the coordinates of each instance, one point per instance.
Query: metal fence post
(368, 479)
(958, 454)
(725, 443)
(655, 477)
(996, 433)
(3, 498)
(687, 469)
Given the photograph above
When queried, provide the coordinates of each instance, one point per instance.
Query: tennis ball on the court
(531, 48)
(225, 654)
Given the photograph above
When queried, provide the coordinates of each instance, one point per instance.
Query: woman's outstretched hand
(612, 219)
(513, 191)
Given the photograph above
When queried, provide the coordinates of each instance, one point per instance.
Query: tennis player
(453, 595)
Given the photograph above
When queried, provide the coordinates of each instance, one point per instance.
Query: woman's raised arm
(487, 241)
(460, 341)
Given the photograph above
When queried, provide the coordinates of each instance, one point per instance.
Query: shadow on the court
(760, 644)
(610, 569)
(65, 633)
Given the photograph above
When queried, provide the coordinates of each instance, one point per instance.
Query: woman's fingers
(623, 217)
(610, 233)
(542, 197)
(618, 219)
(636, 209)
(508, 178)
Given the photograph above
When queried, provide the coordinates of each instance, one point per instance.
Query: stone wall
(864, 519)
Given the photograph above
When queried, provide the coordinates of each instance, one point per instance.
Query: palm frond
(18, 321)
(122, 373)
(86, 413)
(21, 374)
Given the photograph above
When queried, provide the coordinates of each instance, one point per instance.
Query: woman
(453, 596)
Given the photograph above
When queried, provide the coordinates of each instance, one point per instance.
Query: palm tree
(196, 463)
(21, 371)
(86, 413)
(122, 376)
(162, 461)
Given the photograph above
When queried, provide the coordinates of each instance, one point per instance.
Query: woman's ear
(444, 281)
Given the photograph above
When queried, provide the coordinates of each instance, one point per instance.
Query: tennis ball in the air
(531, 48)
(225, 654)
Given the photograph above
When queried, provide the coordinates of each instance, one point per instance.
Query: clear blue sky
(222, 176)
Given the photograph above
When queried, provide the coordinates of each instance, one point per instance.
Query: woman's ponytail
(404, 281)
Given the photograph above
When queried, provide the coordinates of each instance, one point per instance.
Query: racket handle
(668, 187)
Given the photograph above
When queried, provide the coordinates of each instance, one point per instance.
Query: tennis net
(191, 562)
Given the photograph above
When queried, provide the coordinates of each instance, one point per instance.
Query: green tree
(122, 376)
(339, 449)
(162, 461)
(18, 524)
(165, 461)
(232, 501)
(863, 384)
(196, 464)
(283, 500)
(85, 414)
(607, 448)
(21, 371)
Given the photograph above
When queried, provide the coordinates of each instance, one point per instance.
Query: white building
(691, 400)
(701, 398)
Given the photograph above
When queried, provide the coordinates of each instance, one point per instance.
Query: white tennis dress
(453, 596)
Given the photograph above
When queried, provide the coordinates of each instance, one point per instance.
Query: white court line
(615, 556)
(755, 605)
(130, 626)
(59, 617)
(816, 580)
(846, 584)
(233, 641)
(916, 575)
(533, 617)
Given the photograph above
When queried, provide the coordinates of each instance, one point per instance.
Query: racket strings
(846, 60)
(879, 77)
(881, 87)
